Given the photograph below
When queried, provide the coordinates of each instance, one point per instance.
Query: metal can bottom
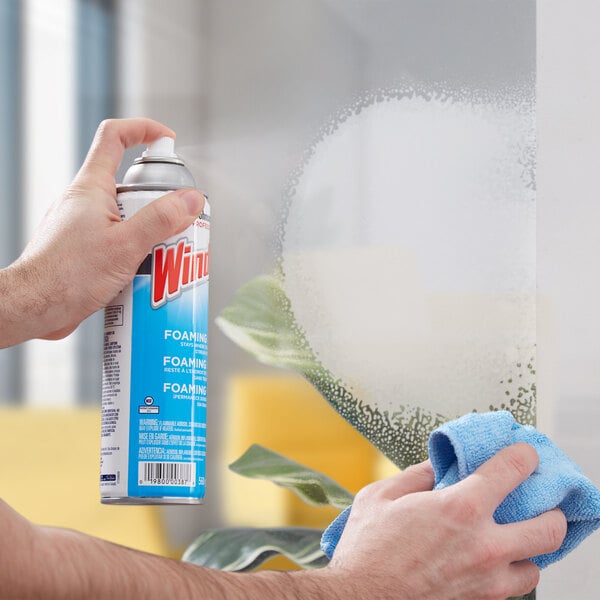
(147, 500)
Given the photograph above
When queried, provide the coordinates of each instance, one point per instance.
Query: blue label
(169, 353)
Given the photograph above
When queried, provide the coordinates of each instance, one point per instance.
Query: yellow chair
(49, 472)
(287, 415)
(49, 463)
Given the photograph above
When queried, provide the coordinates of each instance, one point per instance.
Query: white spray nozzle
(164, 146)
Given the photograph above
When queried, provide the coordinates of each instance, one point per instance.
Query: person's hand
(404, 541)
(82, 255)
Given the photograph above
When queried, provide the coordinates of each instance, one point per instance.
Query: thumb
(163, 218)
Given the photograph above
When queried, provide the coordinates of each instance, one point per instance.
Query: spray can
(154, 377)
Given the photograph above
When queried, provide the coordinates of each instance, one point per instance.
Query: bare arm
(60, 564)
(402, 542)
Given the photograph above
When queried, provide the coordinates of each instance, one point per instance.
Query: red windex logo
(175, 268)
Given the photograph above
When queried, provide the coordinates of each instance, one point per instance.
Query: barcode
(166, 473)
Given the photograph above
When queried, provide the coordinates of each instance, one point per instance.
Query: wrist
(30, 307)
(18, 306)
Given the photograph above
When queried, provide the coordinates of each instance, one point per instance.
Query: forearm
(78, 566)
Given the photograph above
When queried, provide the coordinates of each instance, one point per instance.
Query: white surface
(569, 256)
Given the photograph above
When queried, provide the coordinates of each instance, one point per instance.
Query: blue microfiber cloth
(459, 447)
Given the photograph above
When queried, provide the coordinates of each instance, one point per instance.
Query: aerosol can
(154, 379)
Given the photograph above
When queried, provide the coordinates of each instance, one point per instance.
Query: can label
(154, 388)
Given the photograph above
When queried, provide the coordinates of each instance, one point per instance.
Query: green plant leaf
(313, 487)
(244, 549)
(258, 320)
(261, 321)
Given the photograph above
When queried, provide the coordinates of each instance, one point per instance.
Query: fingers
(417, 478)
(113, 137)
(524, 577)
(162, 218)
(499, 476)
(540, 535)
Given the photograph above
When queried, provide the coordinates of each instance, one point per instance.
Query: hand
(82, 255)
(404, 541)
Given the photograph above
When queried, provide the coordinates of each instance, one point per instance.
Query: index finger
(500, 475)
(113, 137)
(416, 478)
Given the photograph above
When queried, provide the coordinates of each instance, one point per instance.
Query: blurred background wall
(246, 85)
(568, 251)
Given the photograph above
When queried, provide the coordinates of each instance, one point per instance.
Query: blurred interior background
(242, 126)
(245, 86)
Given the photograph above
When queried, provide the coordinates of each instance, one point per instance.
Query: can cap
(160, 148)
(159, 168)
